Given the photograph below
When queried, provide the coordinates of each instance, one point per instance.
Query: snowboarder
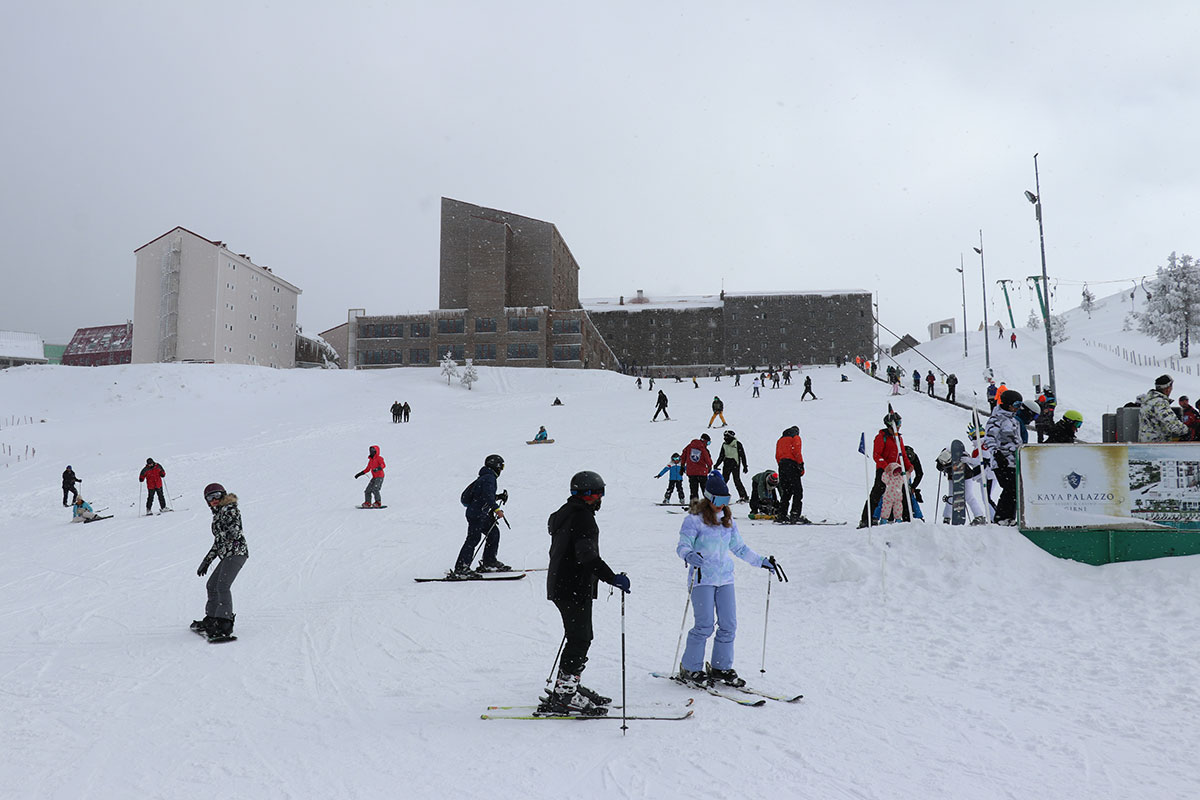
(951, 383)
(790, 459)
(733, 456)
(1063, 431)
(808, 388)
(697, 463)
(69, 480)
(917, 474)
(660, 406)
(639, 382)
(483, 520)
(571, 584)
(152, 475)
(541, 434)
(718, 411)
(763, 499)
(929, 381)
(1002, 439)
(706, 543)
(82, 511)
(1156, 421)
(674, 472)
(229, 545)
(397, 412)
(375, 466)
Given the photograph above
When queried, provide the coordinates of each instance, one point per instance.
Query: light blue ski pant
(707, 602)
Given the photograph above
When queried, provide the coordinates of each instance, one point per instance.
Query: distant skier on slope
(69, 479)
(152, 475)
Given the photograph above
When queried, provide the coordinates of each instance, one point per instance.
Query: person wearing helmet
(68, 483)
(697, 463)
(152, 475)
(674, 471)
(763, 499)
(1063, 431)
(1002, 440)
(733, 457)
(574, 570)
(790, 459)
(885, 451)
(229, 545)
(718, 407)
(1047, 402)
(374, 466)
(483, 520)
(708, 539)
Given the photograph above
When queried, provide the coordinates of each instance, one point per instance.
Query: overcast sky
(678, 147)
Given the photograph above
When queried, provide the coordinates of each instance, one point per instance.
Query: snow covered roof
(22, 345)
(101, 339)
(641, 301)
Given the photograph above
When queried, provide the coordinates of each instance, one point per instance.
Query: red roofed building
(95, 347)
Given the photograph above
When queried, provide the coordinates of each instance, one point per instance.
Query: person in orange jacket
(374, 466)
(791, 470)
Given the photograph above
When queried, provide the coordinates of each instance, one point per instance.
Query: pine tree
(469, 375)
(1173, 303)
(449, 367)
(1058, 329)
(1088, 302)
(1034, 323)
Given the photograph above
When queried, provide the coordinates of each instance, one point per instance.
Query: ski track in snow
(935, 662)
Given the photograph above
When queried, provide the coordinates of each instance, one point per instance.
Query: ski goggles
(719, 500)
(211, 496)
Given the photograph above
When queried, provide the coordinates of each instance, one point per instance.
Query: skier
(571, 584)
(82, 511)
(706, 543)
(483, 520)
(808, 388)
(397, 411)
(1012, 340)
(737, 378)
(1063, 431)
(541, 434)
(229, 545)
(1156, 421)
(697, 463)
(929, 381)
(152, 475)
(639, 382)
(951, 383)
(718, 411)
(763, 499)
(732, 456)
(991, 394)
(790, 459)
(69, 480)
(660, 406)
(374, 466)
(674, 472)
(1003, 438)
(886, 451)
(755, 384)
(916, 381)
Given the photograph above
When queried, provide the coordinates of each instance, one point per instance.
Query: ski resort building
(18, 348)
(100, 346)
(197, 300)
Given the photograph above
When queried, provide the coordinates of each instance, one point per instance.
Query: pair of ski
(97, 519)
(683, 711)
(731, 692)
(510, 575)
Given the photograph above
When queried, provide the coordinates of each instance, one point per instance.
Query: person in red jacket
(697, 463)
(886, 451)
(374, 466)
(791, 469)
(152, 475)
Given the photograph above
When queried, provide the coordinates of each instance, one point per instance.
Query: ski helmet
(495, 463)
(587, 483)
(214, 491)
(891, 420)
(674, 456)
(1074, 416)
(729, 435)
(944, 458)
(149, 461)
(1010, 398)
(1032, 409)
(773, 479)
(704, 437)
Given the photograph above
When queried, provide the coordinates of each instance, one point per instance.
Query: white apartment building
(196, 300)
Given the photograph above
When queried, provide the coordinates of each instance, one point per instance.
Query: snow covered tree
(469, 375)
(1173, 303)
(1034, 323)
(449, 367)
(1058, 329)
(1088, 302)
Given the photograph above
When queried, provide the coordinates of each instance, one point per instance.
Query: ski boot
(203, 625)
(729, 677)
(594, 696)
(221, 628)
(980, 520)
(493, 566)
(696, 677)
(461, 573)
(566, 700)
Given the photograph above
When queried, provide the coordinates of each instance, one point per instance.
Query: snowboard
(214, 639)
(97, 519)
(543, 441)
(477, 576)
(958, 487)
(759, 515)
(372, 508)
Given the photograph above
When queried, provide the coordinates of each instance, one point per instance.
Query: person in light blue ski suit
(674, 472)
(708, 543)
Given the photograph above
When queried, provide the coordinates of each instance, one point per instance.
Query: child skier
(674, 471)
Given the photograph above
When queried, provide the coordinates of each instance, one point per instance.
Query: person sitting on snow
(541, 434)
(82, 511)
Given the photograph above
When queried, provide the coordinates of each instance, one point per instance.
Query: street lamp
(1036, 200)
(987, 353)
(963, 275)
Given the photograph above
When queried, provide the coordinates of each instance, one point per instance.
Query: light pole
(963, 275)
(987, 353)
(1036, 199)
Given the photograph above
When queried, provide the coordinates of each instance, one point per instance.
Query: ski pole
(939, 494)
(558, 655)
(624, 703)
(781, 576)
(678, 644)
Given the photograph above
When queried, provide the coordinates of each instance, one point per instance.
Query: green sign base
(1108, 547)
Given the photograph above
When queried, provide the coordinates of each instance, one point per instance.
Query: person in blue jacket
(675, 479)
(707, 541)
(483, 520)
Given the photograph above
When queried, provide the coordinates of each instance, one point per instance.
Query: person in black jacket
(660, 406)
(69, 481)
(483, 519)
(733, 457)
(571, 581)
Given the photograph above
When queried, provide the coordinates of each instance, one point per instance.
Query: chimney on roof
(621, 300)
(641, 297)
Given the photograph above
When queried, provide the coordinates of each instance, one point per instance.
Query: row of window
(483, 352)
(420, 330)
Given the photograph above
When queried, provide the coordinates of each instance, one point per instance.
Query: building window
(523, 350)
(485, 324)
(456, 351)
(419, 330)
(392, 331)
(451, 325)
(485, 352)
(522, 323)
(368, 331)
(565, 326)
(418, 355)
(566, 352)
(381, 357)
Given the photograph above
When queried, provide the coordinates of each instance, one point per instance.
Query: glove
(768, 565)
(502, 498)
(203, 570)
(916, 493)
(695, 559)
(658, 476)
(621, 582)
(359, 474)
(801, 469)
(745, 469)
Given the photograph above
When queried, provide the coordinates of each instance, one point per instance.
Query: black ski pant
(162, 501)
(950, 395)
(696, 486)
(477, 528)
(660, 410)
(577, 629)
(220, 582)
(673, 486)
(733, 467)
(808, 391)
(75, 493)
(791, 489)
(762, 505)
(1006, 506)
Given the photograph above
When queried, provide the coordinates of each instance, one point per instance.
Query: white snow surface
(936, 662)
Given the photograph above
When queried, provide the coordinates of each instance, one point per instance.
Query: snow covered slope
(935, 662)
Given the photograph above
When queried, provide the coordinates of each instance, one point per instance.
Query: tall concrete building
(196, 300)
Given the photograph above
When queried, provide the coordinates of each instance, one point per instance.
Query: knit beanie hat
(715, 486)
(1163, 381)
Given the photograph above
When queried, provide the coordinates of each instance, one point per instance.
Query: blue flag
(862, 443)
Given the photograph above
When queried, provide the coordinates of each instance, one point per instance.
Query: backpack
(468, 494)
